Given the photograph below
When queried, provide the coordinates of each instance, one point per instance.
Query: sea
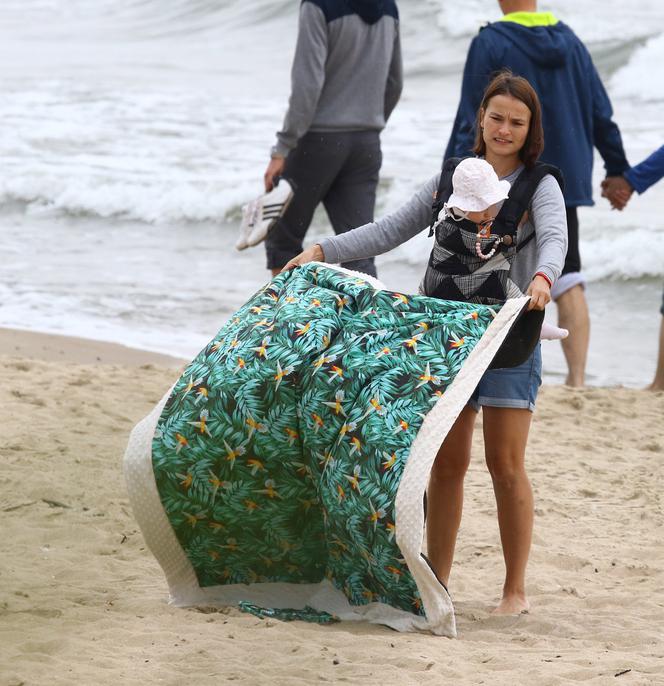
(133, 131)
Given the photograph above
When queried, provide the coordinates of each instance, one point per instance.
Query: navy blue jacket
(576, 110)
(648, 172)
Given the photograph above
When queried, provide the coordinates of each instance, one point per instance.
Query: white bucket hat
(476, 186)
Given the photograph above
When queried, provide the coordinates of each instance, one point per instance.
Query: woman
(510, 138)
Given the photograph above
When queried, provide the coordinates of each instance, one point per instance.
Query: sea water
(133, 131)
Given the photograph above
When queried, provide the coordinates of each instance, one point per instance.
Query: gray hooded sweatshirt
(347, 70)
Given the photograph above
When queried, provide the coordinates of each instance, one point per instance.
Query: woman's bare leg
(445, 493)
(505, 438)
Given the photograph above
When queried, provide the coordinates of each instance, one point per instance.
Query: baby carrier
(455, 270)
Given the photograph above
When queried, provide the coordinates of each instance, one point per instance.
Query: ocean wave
(594, 22)
(155, 203)
(146, 155)
(621, 255)
(637, 79)
(141, 18)
(631, 254)
(168, 136)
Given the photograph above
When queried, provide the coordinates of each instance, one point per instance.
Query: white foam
(637, 79)
(635, 254)
(593, 21)
(134, 131)
(157, 201)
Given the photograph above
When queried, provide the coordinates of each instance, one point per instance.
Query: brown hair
(505, 83)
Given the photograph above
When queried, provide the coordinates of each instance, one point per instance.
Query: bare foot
(575, 381)
(512, 605)
(654, 386)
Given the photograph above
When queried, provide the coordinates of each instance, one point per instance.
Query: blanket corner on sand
(288, 464)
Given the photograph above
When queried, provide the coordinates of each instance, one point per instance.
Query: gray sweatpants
(339, 169)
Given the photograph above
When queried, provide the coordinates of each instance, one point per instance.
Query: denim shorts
(511, 387)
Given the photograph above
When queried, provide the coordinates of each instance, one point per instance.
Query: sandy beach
(82, 601)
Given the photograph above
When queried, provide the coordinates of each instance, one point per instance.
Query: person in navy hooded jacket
(577, 116)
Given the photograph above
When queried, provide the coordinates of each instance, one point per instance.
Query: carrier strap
(444, 191)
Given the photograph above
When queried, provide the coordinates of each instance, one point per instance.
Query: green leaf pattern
(280, 450)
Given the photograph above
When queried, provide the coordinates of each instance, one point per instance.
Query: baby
(466, 202)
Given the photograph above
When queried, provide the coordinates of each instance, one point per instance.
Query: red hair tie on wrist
(545, 277)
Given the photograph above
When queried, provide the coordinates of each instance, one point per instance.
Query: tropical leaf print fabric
(286, 467)
(279, 452)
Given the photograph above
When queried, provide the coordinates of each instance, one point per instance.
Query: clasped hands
(617, 190)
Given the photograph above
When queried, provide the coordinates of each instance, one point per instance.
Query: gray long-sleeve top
(346, 74)
(546, 216)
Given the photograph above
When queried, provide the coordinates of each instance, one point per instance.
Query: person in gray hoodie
(346, 80)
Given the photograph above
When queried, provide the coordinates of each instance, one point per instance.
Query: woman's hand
(312, 254)
(539, 292)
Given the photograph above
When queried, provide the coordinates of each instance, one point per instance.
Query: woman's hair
(505, 83)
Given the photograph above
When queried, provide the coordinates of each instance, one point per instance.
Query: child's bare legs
(445, 493)
(505, 438)
(658, 381)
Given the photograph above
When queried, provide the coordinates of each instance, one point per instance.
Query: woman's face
(505, 125)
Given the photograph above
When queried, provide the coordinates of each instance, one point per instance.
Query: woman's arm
(382, 236)
(378, 237)
(550, 221)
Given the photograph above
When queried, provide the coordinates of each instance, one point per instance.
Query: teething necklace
(484, 231)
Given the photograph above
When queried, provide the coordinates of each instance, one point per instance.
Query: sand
(83, 602)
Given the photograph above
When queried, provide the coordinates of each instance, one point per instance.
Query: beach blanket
(287, 466)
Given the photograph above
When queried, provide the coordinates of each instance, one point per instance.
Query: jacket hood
(370, 10)
(547, 46)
